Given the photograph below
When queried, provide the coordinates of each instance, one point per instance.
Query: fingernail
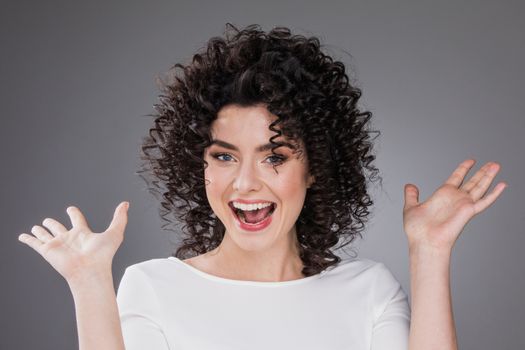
(493, 168)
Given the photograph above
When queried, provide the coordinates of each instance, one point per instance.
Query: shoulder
(377, 274)
(150, 266)
(363, 267)
(149, 272)
(368, 277)
(385, 289)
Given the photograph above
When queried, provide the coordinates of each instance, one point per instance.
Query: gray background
(444, 80)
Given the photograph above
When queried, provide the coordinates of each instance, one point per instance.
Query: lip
(249, 227)
(250, 201)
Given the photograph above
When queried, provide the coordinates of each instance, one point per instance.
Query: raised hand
(439, 220)
(78, 251)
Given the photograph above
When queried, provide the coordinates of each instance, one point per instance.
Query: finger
(459, 174)
(484, 203)
(41, 233)
(470, 184)
(31, 241)
(411, 196)
(483, 185)
(120, 218)
(77, 218)
(54, 226)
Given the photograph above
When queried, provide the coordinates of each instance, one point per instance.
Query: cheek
(289, 186)
(216, 181)
(214, 191)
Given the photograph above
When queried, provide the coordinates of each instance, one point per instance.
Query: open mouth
(252, 217)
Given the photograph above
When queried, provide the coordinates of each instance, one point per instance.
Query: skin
(432, 227)
(84, 259)
(269, 254)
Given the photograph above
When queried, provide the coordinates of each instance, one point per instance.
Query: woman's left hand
(438, 222)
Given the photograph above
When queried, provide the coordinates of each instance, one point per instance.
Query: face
(247, 173)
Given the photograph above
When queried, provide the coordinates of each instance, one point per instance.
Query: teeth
(246, 207)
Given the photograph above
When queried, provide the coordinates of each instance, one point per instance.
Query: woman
(264, 156)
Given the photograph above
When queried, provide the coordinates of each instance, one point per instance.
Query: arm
(141, 311)
(432, 322)
(391, 325)
(96, 312)
(84, 259)
(432, 228)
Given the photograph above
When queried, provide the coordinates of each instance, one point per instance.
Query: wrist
(424, 250)
(90, 279)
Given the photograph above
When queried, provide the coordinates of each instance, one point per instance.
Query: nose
(246, 178)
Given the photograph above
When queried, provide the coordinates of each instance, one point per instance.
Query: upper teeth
(250, 206)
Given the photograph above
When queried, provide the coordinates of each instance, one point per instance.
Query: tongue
(254, 216)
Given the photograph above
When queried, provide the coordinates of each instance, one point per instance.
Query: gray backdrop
(444, 80)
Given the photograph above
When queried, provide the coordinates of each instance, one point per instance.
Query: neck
(276, 264)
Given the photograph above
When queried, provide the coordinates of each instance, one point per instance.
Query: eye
(274, 159)
(278, 159)
(219, 155)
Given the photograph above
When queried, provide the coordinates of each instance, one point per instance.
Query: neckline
(246, 282)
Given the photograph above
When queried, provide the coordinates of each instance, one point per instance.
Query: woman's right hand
(78, 252)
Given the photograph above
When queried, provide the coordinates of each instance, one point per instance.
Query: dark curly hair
(314, 102)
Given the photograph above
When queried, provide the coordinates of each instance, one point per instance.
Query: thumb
(411, 196)
(120, 218)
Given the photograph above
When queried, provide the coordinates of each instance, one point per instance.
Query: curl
(316, 107)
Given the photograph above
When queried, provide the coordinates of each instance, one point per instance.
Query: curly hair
(314, 102)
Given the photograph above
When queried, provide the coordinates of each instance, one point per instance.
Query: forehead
(248, 128)
(235, 121)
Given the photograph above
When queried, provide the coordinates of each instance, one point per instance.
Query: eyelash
(281, 158)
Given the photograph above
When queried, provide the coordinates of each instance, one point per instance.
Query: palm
(71, 252)
(440, 219)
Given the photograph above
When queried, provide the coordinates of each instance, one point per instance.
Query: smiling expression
(241, 167)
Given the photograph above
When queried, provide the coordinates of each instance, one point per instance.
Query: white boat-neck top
(165, 303)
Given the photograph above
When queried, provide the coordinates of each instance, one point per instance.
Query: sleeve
(392, 323)
(139, 311)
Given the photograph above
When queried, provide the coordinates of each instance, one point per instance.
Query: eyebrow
(262, 148)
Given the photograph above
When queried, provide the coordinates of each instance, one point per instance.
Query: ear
(311, 180)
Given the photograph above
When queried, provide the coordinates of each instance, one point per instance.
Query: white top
(167, 304)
